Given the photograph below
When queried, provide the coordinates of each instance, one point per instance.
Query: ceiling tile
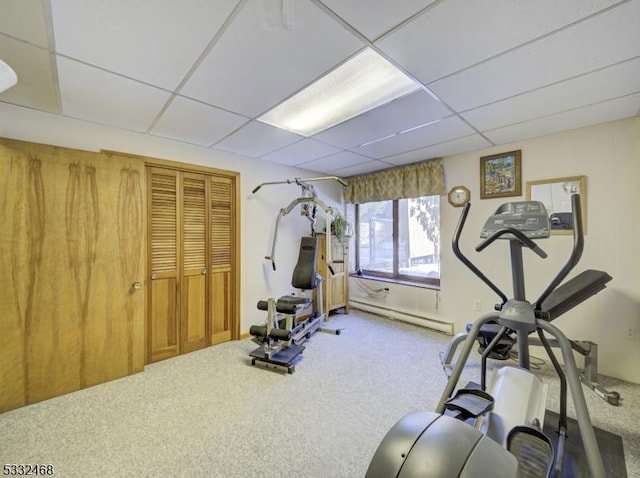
(362, 168)
(301, 152)
(604, 40)
(335, 162)
(197, 123)
(256, 139)
(95, 95)
(457, 33)
(373, 18)
(252, 68)
(36, 87)
(509, 69)
(439, 132)
(619, 80)
(399, 115)
(153, 41)
(457, 146)
(25, 20)
(611, 110)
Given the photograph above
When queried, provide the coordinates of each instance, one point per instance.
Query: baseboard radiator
(429, 323)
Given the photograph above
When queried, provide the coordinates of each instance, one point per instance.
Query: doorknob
(154, 276)
(137, 285)
(204, 271)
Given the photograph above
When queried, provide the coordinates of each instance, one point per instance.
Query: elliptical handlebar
(576, 253)
(456, 250)
(521, 237)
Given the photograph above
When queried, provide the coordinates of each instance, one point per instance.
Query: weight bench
(291, 319)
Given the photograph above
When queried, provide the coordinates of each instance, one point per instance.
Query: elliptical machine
(488, 430)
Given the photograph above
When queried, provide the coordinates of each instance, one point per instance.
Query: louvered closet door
(194, 333)
(164, 239)
(222, 251)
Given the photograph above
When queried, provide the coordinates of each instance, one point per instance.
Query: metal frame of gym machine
(308, 196)
(586, 348)
(299, 334)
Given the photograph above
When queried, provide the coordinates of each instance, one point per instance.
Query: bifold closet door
(193, 282)
(164, 240)
(222, 212)
(178, 231)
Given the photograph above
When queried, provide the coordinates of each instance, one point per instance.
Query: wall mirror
(555, 194)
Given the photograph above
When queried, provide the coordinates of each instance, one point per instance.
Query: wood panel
(335, 287)
(339, 280)
(221, 309)
(70, 315)
(194, 299)
(163, 327)
(222, 292)
(164, 259)
(222, 216)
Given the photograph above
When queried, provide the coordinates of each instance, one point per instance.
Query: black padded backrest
(304, 274)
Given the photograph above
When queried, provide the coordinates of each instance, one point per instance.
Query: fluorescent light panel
(359, 85)
(8, 77)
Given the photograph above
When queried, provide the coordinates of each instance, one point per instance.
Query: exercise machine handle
(455, 242)
(576, 253)
(519, 234)
(301, 181)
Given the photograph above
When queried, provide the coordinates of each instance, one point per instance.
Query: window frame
(394, 276)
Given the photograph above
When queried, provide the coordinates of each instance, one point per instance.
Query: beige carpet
(209, 413)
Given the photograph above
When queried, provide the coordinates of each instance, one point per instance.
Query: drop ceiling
(490, 72)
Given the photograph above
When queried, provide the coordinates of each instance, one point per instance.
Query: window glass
(376, 236)
(413, 252)
(419, 237)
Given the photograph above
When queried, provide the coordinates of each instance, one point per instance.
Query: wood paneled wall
(72, 246)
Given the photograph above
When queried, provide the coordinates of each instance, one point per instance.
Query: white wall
(609, 156)
(258, 211)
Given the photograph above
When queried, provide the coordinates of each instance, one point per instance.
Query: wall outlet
(477, 306)
(631, 333)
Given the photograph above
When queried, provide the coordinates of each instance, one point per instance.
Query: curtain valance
(411, 181)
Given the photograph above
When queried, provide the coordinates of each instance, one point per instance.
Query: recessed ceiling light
(364, 82)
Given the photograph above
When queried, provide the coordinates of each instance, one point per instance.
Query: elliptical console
(528, 217)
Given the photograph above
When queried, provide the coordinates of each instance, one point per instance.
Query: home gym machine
(495, 428)
(292, 319)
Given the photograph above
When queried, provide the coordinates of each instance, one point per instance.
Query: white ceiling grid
(492, 71)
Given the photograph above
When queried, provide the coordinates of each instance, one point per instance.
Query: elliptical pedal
(533, 450)
(469, 403)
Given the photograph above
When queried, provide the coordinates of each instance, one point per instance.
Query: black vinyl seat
(294, 300)
(305, 274)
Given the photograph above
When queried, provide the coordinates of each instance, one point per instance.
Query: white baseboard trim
(429, 323)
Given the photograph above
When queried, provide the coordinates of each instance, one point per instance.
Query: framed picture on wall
(500, 175)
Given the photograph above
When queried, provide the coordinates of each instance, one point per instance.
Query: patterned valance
(411, 181)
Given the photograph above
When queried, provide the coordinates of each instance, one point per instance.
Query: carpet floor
(210, 414)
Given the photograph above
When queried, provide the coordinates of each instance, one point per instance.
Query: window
(399, 239)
